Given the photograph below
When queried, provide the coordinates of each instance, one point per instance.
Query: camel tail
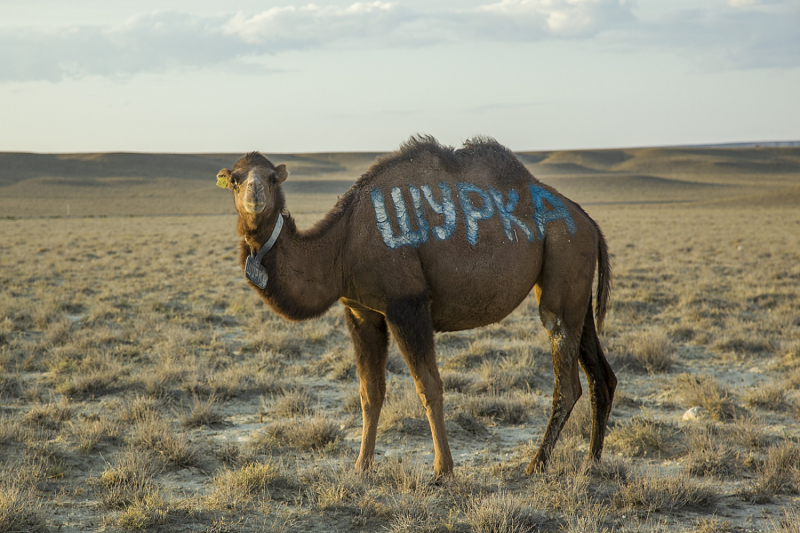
(603, 280)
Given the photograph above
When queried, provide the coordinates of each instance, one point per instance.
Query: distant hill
(122, 184)
(764, 144)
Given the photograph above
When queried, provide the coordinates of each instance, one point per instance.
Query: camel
(433, 238)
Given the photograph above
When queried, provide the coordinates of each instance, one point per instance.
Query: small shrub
(93, 431)
(235, 489)
(140, 408)
(91, 382)
(770, 396)
(404, 477)
(641, 436)
(153, 434)
(505, 409)
(19, 511)
(129, 479)
(748, 431)
(144, 513)
(780, 473)
(789, 524)
(656, 492)
(289, 403)
(649, 351)
(584, 524)
(457, 381)
(310, 433)
(203, 413)
(500, 513)
(708, 394)
(477, 352)
(49, 415)
(711, 454)
(402, 404)
(712, 525)
(10, 386)
(352, 402)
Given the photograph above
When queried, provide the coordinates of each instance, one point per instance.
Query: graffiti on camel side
(476, 204)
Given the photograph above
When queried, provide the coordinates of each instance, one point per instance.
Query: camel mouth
(254, 209)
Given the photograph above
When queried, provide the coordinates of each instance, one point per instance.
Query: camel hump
(482, 151)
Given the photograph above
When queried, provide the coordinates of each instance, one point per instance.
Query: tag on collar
(255, 272)
(253, 269)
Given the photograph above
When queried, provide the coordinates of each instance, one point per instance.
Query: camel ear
(282, 173)
(224, 179)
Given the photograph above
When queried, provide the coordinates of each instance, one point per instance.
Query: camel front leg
(411, 325)
(370, 343)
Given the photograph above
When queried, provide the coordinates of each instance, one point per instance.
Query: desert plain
(145, 387)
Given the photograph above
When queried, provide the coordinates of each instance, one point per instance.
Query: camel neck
(304, 269)
(267, 246)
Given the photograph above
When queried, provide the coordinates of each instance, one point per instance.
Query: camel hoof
(441, 478)
(537, 466)
(363, 467)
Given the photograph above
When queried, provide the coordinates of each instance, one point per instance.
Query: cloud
(741, 34)
(745, 34)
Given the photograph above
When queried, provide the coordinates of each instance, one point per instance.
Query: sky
(282, 76)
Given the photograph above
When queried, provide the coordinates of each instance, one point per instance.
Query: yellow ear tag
(222, 182)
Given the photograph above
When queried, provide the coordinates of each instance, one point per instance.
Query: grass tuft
(129, 479)
(641, 436)
(779, 474)
(501, 513)
(203, 413)
(237, 488)
(656, 492)
(19, 511)
(153, 434)
(307, 433)
(706, 392)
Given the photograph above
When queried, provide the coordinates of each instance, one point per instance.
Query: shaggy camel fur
(436, 239)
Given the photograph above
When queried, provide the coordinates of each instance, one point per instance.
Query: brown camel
(434, 239)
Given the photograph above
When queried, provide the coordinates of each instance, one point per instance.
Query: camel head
(255, 183)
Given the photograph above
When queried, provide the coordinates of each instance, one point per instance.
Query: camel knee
(568, 396)
(371, 401)
(550, 320)
(430, 390)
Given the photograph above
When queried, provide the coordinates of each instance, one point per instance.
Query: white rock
(694, 413)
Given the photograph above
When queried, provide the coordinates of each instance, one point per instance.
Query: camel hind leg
(564, 341)
(601, 379)
(370, 343)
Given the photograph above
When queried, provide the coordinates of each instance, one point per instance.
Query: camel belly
(480, 289)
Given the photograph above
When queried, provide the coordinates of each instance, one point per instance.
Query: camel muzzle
(255, 198)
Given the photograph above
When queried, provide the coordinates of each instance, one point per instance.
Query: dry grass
(203, 413)
(307, 433)
(500, 513)
(138, 370)
(706, 392)
(790, 523)
(153, 434)
(647, 350)
(655, 492)
(19, 511)
(129, 479)
(236, 489)
(642, 436)
(711, 453)
(780, 473)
